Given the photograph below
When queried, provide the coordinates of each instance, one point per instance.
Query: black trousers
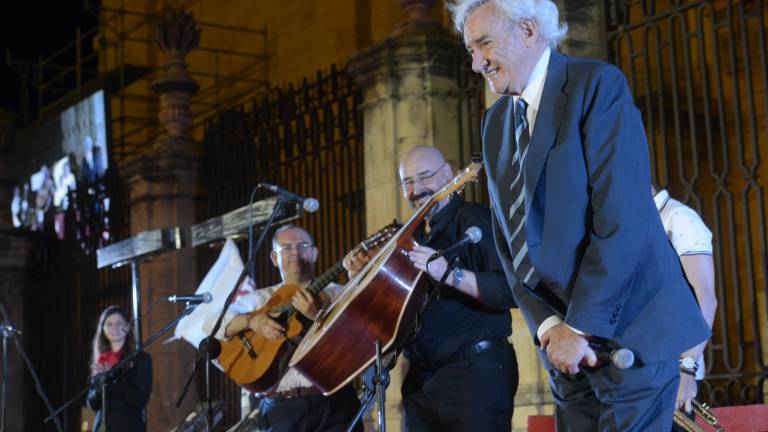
(315, 413)
(474, 394)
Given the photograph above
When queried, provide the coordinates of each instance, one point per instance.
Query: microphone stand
(210, 347)
(103, 379)
(381, 377)
(10, 331)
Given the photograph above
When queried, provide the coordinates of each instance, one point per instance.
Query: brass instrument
(701, 410)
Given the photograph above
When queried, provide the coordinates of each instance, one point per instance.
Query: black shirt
(456, 320)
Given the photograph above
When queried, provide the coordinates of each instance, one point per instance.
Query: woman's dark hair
(100, 342)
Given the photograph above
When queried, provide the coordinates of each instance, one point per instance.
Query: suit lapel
(548, 119)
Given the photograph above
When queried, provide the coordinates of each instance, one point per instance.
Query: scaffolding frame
(65, 76)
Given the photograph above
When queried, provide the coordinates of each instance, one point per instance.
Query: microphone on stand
(310, 205)
(7, 326)
(8, 329)
(471, 235)
(193, 299)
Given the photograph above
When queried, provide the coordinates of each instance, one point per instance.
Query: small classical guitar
(257, 363)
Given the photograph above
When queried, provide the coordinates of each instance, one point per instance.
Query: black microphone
(194, 299)
(310, 205)
(471, 235)
(621, 358)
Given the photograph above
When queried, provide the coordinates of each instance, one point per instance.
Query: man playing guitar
(295, 405)
(463, 371)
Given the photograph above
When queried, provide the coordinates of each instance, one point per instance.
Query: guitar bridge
(248, 347)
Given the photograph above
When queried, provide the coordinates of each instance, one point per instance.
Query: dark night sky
(36, 28)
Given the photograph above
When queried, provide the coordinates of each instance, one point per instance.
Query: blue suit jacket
(593, 232)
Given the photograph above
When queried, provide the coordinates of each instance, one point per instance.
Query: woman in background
(128, 394)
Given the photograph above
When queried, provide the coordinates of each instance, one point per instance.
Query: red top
(110, 358)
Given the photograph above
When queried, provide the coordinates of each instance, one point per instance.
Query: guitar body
(262, 372)
(379, 305)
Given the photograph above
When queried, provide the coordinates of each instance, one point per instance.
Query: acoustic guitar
(258, 363)
(379, 304)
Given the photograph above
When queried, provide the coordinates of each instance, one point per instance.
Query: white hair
(544, 12)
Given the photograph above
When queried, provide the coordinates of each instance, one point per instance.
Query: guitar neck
(324, 279)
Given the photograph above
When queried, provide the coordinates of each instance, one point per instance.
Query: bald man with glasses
(463, 371)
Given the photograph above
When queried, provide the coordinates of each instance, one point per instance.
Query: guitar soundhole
(248, 347)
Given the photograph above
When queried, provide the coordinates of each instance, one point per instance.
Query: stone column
(163, 184)
(410, 97)
(15, 259)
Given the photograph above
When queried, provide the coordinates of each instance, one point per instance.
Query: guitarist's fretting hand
(307, 304)
(356, 260)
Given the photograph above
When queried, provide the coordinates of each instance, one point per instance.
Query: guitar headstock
(380, 237)
(457, 184)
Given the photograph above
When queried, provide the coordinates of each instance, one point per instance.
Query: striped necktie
(521, 263)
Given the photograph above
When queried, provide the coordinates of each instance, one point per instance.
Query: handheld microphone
(193, 299)
(621, 358)
(471, 235)
(310, 204)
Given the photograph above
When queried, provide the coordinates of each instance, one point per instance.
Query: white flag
(219, 282)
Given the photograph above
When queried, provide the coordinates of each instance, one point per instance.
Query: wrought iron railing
(308, 139)
(699, 74)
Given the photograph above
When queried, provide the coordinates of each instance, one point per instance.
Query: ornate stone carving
(417, 20)
(177, 35)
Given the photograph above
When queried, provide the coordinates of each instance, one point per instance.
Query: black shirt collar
(439, 221)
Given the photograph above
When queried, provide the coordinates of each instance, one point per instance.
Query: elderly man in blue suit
(568, 175)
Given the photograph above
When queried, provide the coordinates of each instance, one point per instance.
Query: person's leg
(476, 394)
(284, 414)
(337, 411)
(641, 399)
(419, 415)
(576, 406)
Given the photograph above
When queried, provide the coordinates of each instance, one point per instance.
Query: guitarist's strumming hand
(307, 304)
(266, 326)
(420, 255)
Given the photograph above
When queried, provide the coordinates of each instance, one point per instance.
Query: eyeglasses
(423, 178)
(299, 247)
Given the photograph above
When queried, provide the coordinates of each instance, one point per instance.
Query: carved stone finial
(177, 35)
(417, 20)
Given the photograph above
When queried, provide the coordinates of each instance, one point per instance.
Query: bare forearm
(238, 324)
(700, 272)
